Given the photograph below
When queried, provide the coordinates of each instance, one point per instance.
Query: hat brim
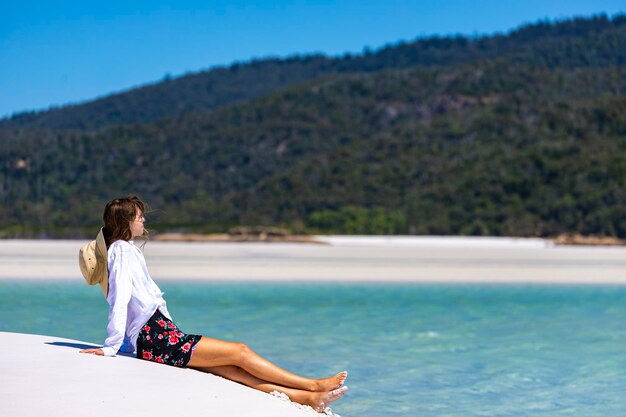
(102, 257)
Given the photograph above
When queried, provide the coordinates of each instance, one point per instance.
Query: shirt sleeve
(120, 290)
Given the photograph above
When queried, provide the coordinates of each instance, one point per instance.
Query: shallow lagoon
(411, 349)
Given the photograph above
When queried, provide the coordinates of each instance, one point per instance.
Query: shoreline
(276, 237)
(341, 259)
(561, 240)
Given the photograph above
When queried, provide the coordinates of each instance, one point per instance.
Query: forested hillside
(520, 135)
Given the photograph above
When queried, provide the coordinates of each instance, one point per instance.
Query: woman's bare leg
(210, 353)
(317, 400)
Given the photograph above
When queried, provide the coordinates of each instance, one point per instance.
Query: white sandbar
(47, 376)
(344, 258)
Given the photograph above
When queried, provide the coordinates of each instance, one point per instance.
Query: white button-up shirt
(133, 297)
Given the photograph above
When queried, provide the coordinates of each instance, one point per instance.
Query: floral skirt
(161, 341)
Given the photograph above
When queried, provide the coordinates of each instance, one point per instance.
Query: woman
(138, 319)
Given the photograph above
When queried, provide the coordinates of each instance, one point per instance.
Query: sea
(410, 349)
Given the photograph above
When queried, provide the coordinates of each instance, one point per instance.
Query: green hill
(526, 138)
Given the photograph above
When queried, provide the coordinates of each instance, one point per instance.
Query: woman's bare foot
(331, 383)
(321, 400)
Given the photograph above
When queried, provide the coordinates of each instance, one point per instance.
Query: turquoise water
(412, 350)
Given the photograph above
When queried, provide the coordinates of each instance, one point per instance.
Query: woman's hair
(117, 216)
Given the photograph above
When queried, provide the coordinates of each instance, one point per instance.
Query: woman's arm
(120, 289)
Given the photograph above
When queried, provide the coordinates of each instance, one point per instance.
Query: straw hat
(92, 259)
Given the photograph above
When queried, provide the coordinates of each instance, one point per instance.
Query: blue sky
(60, 52)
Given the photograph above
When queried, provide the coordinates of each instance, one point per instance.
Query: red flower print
(147, 355)
(161, 323)
(160, 336)
(173, 340)
(180, 334)
(186, 347)
(158, 359)
(146, 328)
(148, 337)
(172, 326)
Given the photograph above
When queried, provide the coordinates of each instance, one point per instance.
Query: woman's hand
(93, 351)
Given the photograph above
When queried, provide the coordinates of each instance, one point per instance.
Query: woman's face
(136, 226)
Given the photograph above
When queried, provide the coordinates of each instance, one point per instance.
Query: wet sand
(353, 258)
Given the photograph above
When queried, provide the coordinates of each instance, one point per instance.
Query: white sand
(353, 258)
(46, 376)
